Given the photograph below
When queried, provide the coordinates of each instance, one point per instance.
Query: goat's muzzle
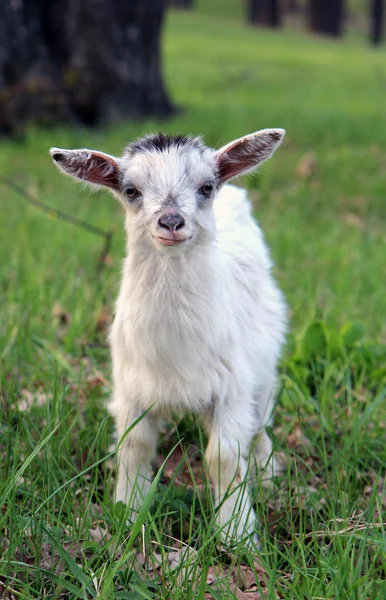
(171, 229)
(171, 221)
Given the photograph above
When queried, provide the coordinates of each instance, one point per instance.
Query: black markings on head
(161, 142)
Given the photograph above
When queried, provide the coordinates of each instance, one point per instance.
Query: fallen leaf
(212, 576)
(240, 595)
(99, 533)
(30, 399)
(189, 476)
(141, 559)
(296, 439)
(50, 558)
(247, 577)
(354, 220)
(306, 165)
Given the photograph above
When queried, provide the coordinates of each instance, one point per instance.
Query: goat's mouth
(171, 241)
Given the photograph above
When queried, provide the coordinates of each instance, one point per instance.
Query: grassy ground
(321, 203)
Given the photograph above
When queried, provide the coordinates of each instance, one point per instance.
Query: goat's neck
(153, 277)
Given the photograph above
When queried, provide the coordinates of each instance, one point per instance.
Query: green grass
(322, 525)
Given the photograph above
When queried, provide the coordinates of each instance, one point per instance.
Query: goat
(199, 320)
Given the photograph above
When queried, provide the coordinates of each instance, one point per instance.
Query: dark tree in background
(90, 62)
(326, 16)
(182, 3)
(377, 16)
(292, 6)
(264, 12)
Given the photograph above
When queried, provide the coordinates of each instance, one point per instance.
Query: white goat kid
(199, 320)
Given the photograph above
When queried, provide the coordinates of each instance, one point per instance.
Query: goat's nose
(171, 221)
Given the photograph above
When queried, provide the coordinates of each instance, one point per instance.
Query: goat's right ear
(94, 167)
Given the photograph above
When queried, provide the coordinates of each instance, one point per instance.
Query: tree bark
(377, 16)
(292, 6)
(326, 16)
(90, 62)
(264, 12)
(182, 3)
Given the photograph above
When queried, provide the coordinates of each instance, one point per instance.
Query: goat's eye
(131, 192)
(207, 188)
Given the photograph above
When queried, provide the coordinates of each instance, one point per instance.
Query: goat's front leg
(226, 458)
(136, 451)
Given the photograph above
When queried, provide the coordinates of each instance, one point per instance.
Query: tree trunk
(264, 12)
(182, 3)
(29, 80)
(90, 62)
(326, 16)
(292, 6)
(377, 15)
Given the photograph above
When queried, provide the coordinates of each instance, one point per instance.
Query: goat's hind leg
(263, 458)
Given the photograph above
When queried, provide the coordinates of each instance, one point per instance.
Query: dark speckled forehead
(161, 142)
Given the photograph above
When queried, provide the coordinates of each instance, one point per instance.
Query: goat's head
(168, 183)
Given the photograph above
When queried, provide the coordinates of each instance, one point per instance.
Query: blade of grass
(85, 581)
(15, 476)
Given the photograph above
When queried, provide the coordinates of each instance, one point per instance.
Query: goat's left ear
(247, 153)
(91, 166)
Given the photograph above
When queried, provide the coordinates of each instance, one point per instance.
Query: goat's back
(237, 231)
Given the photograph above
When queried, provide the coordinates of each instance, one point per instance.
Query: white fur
(198, 328)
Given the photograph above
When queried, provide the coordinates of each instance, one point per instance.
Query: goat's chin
(171, 247)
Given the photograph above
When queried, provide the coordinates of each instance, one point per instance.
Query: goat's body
(187, 326)
(199, 332)
(199, 320)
